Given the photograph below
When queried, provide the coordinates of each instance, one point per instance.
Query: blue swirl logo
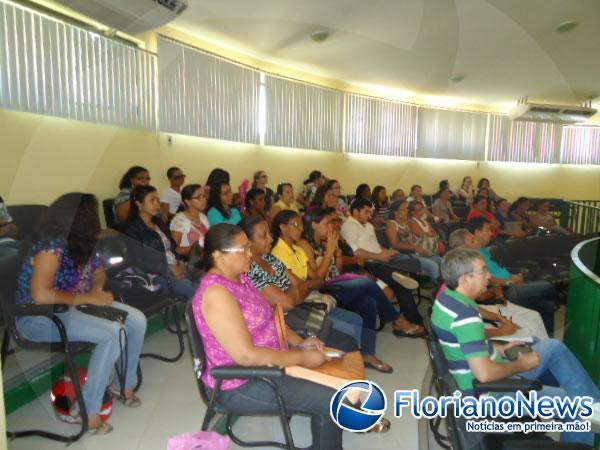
(356, 418)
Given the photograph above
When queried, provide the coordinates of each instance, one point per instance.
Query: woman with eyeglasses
(150, 245)
(286, 201)
(190, 225)
(220, 209)
(170, 198)
(135, 176)
(261, 180)
(237, 326)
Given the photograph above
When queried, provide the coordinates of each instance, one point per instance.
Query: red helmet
(63, 398)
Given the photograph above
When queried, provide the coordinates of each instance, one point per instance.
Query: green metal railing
(581, 216)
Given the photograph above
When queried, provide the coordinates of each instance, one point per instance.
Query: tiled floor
(171, 406)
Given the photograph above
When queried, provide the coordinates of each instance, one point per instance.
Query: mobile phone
(512, 354)
(334, 354)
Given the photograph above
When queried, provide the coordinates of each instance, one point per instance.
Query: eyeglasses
(294, 224)
(483, 271)
(245, 249)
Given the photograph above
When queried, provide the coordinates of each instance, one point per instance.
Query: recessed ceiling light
(319, 36)
(565, 26)
(457, 78)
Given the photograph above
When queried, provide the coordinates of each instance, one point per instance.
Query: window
(451, 134)
(302, 115)
(581, 145)
(204, 95)
(50, 67)
(379, 127)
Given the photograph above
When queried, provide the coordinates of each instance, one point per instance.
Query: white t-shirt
(172, 197)
(360, 236)
(190, 233)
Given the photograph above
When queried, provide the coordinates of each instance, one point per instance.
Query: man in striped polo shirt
(461, 332)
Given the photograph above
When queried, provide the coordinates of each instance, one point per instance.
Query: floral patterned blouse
(70, 277)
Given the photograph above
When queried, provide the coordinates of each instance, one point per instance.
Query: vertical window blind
(50, 67)
(302, 115)
(379, 127)
(451, 134)
(204, 95)
(523, 141)
(581, 145)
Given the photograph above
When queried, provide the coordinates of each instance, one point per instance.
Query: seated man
(360, 235)
(461, 332)
(537, 295)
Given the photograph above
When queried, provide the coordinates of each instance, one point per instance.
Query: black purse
(308, 320)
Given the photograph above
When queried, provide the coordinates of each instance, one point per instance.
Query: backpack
(135, 287)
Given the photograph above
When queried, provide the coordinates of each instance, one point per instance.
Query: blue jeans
(429, 264)
(364, 297)
(347, 322)
(556, 358)
(182, 288)
(82, 327)
(537, 295)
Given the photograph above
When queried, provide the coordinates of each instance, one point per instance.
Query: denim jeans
(556, 358)
(347, 322)
(183, 288)
(300, 397)
(82, 327)
(537, 295)
(364, 297)
(429, 264)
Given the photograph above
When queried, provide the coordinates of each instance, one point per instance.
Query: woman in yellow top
(285, 192)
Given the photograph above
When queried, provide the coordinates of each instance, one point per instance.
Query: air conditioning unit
(537, 112)
(129, 16)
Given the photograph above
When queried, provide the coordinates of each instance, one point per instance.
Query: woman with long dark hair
(151, 247)
(220, 209)
(381, 203)
(256, 204)
(190, 224)
(135, 176)
(63, 268)
(261, 181)
(238, 327)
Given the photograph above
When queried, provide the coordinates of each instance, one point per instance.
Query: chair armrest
(35, 310)
(226, 373)
(507, 385)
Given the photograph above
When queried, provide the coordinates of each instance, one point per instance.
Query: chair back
(197, 350)
(26, 218)
(109, 213)
(382, 238)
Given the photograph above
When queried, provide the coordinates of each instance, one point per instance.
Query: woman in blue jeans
(62, 268)
(359, 294)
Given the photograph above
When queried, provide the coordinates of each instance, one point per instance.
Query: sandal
(131, 402)
(105, 428)
(380, 366)
(382, 426)
(411, 333)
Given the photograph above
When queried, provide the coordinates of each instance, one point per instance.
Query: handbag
(308, 320)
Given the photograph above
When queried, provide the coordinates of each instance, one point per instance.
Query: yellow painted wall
(43, 157)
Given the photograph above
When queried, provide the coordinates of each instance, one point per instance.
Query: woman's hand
(312, 359)
(421, 250)
(178, 270)
(102, 298)
(312, 342)
(332, 242)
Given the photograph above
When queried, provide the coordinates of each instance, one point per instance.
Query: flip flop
(382, 426)
(105, 428)
(381, 367)
(131, 402)
(410, 333)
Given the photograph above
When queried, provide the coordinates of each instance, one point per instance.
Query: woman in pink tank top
(238, 328)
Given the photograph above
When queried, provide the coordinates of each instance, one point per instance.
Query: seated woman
(442, 207)
(381, 204)
(360, 294)
(220, 199)
(286, 201)
(544, 218)
(261, 181)
(315, 180)
(426, 236)
(509, 225)
(151, 247)
(342, 206)
(135, 176)
(363, 191)
(62, 268)
(484, 183)
(256, 204)
(519, 210)
(276, 283)
(237, 326)
(402, 238)
(324, 198)
(480, 209)
(190, 224)
(466, 192)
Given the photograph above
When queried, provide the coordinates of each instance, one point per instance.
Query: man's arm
(486, 370)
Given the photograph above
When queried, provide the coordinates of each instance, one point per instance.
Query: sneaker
(403, 280)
